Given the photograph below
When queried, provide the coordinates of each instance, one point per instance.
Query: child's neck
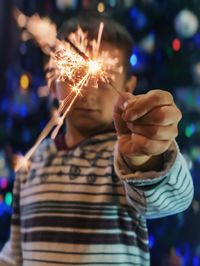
(73, 137)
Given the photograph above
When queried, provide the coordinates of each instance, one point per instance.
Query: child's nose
(90, 94)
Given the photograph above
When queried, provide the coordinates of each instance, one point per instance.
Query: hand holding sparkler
(146, 126)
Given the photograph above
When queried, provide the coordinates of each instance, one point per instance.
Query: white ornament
(186, 23)
(62, 4)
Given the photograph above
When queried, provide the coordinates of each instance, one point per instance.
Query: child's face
(94, 110)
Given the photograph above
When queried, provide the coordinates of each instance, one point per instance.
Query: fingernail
(125, 105)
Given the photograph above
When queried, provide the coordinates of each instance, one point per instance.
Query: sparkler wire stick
(112, 86)
(43, 134)
(101, 26)
(77, 50)
(80, 85)
(47, 129)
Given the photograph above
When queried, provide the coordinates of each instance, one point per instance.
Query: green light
(8, 198)
(190, 130)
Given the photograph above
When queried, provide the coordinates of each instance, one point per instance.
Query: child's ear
(131, 84)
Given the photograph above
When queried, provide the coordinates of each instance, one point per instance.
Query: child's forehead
(113, 50)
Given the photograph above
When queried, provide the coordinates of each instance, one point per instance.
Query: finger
(162, 116)
(155, 132)
(142, 104)
(120, 124)
(139, 145)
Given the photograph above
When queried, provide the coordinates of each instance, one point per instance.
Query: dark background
(166, 55)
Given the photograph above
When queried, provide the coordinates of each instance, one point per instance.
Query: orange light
(24, 82)
(101, 7)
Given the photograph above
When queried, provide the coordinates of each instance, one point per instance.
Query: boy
(87, 195)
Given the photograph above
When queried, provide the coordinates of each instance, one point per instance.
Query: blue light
(195, 261)
(5, 209)
(4, 105)
(133, 60)
(23, 111)
(134, 12)
(9, 123)
(112, 3)
(178, 252)
(26, 135)
(23, 49)
(151, 241)
(197, 38)
(139, 19)
(198, 100)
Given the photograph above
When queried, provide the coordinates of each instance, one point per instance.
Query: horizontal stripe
(72, 193)
(88, 253)
(82, 248)
(77, 204)
(80, 230)
(51, 214)
(67, 187)
(84, 263)
(74, 197)
(119, 185)
(81, 238)
(65, 205)
(89, 223)
(63, 172)
(66, 157)
(69, 164)
(67, 213)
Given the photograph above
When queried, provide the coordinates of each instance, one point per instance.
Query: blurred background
(166, 55)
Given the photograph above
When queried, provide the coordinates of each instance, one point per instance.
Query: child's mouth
(87, 110)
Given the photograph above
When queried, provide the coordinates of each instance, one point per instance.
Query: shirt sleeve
(158, 193)
(11, 253)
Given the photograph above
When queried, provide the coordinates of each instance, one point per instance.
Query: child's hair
(113, 33)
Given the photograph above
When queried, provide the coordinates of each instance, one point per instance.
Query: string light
(176, 44)
(190, 130)
(3, 183)
(8, 198)
(24, 82)
(133, 60)
(101, 7)
(112, 3)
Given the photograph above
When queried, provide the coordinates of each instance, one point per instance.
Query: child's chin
(86, 123)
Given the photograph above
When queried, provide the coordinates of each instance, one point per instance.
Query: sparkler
(75, 61)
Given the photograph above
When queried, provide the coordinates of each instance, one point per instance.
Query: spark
(94, 67)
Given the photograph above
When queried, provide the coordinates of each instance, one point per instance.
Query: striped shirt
(86, 207)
